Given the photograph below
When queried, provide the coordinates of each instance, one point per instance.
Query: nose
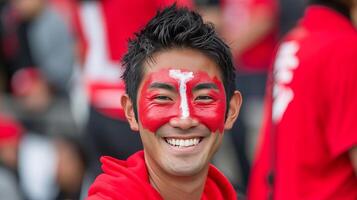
(183, 123)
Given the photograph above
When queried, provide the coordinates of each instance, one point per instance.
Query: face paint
(172, 93)
(182, 77)
(211, 111)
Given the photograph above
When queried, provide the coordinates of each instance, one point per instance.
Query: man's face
(181, 110)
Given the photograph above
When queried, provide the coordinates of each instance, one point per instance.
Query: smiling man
(180, 97)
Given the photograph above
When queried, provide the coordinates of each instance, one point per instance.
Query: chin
(186, 169)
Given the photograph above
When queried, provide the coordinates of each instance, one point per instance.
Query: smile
(183, 142)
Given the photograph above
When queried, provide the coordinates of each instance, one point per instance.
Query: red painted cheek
(212, 114)
(153, 115)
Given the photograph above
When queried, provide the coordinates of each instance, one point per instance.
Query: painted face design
(171, 93)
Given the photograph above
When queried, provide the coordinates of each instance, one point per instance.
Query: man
(181, 97)
(310, 133)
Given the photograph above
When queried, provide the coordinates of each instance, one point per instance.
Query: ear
(127, 105)
(233, 110)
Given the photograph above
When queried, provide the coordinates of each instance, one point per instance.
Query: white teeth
(196, 141)
(183, 142)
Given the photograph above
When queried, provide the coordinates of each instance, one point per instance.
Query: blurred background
(60, 86)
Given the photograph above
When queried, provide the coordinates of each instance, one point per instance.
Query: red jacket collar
(130, 179)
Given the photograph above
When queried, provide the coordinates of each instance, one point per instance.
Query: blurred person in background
(309, 138)
(10, 134)
(35, 167)
(250, 27)
(37, 57)
(105, 26)
(23, 161)
(72, 161)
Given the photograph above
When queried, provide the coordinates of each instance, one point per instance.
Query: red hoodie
(129, 180)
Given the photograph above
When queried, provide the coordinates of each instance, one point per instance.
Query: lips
(182, 143)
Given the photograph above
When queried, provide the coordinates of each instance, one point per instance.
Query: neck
(354, 13)
(173, 187)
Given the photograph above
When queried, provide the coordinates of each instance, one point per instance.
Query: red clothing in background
(129, 180)
(10, 130)
(237, 15)
(105, 28)
(314, 112)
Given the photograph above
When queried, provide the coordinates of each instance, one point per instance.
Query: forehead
(184, 59)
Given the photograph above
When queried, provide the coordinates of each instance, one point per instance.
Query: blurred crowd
(60, 86)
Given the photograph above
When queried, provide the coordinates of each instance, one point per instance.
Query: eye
(204, 98)
(162, 98)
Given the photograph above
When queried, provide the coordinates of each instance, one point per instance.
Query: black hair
(175, 27)
(340, 6)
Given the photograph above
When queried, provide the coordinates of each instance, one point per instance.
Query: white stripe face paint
(183, 78)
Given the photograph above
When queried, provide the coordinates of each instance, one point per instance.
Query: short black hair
(175, 27)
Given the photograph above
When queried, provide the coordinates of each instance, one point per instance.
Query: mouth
(183, 143)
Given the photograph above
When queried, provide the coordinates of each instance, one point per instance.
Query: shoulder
(122, 180)
(218, 185)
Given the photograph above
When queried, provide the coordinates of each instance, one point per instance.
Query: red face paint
(162, 97)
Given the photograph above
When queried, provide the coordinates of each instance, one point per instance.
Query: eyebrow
(202, 86)
(158, 85)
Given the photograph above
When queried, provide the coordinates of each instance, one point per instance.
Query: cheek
(153, 116)
(211, 115)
